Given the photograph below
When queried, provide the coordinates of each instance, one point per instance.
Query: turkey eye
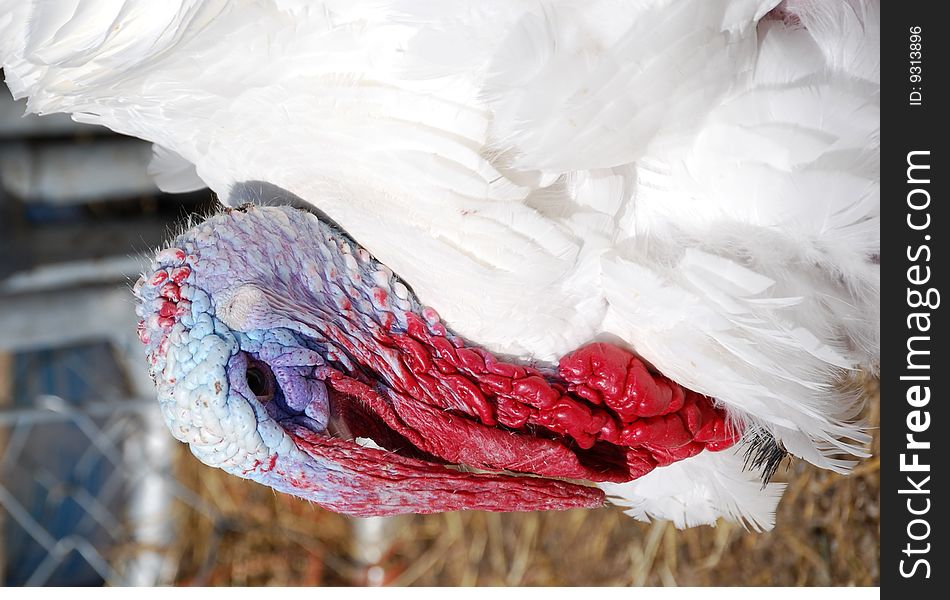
(256, 381)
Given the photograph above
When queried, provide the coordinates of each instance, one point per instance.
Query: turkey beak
(348, 478)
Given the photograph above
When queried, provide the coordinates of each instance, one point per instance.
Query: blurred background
(93, 489)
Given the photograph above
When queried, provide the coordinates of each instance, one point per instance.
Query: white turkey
(502, 255)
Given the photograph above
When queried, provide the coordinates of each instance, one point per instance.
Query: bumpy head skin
(284, 353)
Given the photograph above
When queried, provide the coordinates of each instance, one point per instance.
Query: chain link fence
(85, 476)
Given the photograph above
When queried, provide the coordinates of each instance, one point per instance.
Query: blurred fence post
(150, 503)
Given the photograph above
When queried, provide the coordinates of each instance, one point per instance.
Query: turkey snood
(284, 353)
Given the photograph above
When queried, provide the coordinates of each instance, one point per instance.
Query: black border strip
(914, 269)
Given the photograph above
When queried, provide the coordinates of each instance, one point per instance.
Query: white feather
(172, 173)
(699, 491)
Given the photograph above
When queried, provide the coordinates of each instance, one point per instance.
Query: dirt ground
(827, 533)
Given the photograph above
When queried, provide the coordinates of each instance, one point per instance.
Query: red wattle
(602, 416)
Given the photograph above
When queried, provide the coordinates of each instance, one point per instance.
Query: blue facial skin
(242, 319)
(234, 367)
